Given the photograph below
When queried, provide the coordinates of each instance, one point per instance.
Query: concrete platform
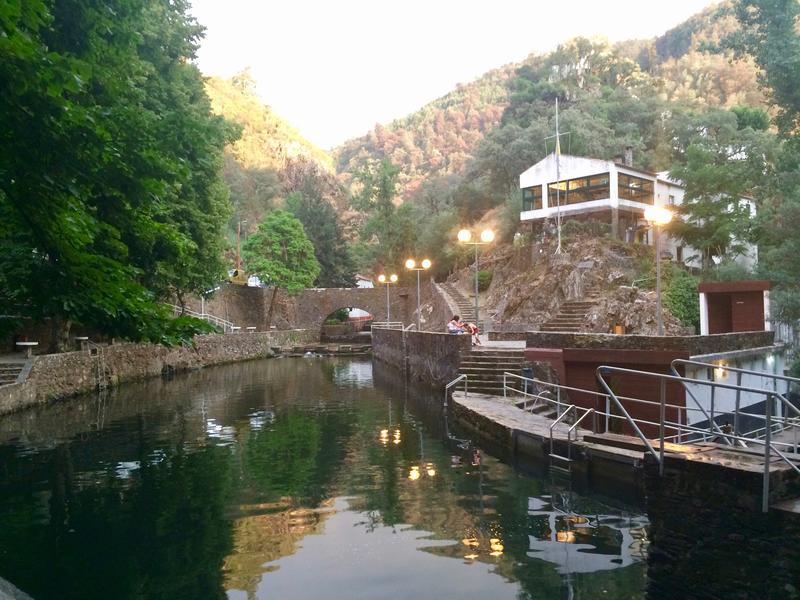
(498, 420)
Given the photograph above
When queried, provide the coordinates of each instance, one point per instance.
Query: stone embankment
(55, 376)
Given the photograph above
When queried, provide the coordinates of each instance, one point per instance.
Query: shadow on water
(296, 478)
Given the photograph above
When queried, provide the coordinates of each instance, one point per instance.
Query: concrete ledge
(56, 376)
(692, 344)
(429, 357)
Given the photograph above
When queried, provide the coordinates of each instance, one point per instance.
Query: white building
(606, 190)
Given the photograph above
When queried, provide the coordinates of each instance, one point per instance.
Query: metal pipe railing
(454, 383)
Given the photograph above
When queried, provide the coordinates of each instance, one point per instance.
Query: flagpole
(558, 183)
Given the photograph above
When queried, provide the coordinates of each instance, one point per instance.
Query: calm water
(291, 478)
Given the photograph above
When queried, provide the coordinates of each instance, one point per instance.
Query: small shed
(734, 306)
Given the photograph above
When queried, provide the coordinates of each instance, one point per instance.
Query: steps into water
(10, 371)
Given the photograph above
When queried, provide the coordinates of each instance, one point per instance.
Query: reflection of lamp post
(487, 236)
(411, 265)
(658, 216)
(391, 279)
(426, 468)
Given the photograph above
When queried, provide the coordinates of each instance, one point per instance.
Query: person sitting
(455, 325)
(473, 331)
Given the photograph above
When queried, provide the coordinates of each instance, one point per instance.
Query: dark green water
(292, 478)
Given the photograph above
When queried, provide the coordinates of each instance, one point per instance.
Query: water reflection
(289, 478)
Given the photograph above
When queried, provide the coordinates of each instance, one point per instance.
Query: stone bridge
(248, 306)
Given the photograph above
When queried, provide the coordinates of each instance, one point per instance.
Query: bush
(484, 280)
(681, 297)
(337, 317)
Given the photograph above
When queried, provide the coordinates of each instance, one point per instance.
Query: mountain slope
(512, 106)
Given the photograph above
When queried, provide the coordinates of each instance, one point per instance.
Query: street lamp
(411, 265)
(486, 237)
(658, 216)
(391, 279)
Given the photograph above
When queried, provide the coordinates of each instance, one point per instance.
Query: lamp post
(658, 216)
(486, 237)
(411, 265)
(388, 281)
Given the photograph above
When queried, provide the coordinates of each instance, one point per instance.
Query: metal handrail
(456, 381)
(739, 372)
(410, 327)
(214, 320)
(387, 325)
(554, 423)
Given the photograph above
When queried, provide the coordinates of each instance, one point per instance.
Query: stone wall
(249, 306)
(431, 358)
(709, 539)
(692, 344)
(55, 376)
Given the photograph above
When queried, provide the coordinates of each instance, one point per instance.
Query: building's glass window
(580, 189)
(635, 188)
(532, 198)
(671, 200)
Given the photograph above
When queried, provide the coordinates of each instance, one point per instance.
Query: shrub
(681, 297)
(484, 280)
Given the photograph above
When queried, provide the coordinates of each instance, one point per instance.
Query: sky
(335, 68)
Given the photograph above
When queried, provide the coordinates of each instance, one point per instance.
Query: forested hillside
(272, 166)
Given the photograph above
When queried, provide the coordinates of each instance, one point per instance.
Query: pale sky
(335, 68)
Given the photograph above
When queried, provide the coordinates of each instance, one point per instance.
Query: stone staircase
(9, 372)
(484, 369)
(466, 307)
(571, 314)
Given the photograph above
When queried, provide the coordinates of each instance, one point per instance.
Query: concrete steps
(9, 372)
(466, 307)
(484, 369)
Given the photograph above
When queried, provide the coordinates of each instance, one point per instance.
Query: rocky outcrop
(530, 284)
(635, 310)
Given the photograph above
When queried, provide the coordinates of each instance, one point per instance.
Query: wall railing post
(662, 417)
(767, 454)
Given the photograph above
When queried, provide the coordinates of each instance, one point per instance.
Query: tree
(280, 253)
(769, 34)
(110, 196)
(721, 165)
(389, 232)
(321, 225)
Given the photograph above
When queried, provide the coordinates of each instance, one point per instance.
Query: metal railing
(387, 324)
(225, 325)
(737, 406)
(770, 396)
(454, 383)
(542, 391)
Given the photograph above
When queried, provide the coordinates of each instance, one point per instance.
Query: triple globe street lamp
(658, 216)
(412, 265)
(388, 281)
(486, 237)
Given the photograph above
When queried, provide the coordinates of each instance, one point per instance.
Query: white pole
(558, 183)
(387, 304)
(659, 317)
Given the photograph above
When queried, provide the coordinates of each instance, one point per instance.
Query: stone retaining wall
(55, 376)
(707, 533)
(431, 358)
(692, 344)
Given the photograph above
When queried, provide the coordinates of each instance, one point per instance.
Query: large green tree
(769, 34)
(110, 195)
(389, 233)
(321, 225)
(721, 164)
(281, 254)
